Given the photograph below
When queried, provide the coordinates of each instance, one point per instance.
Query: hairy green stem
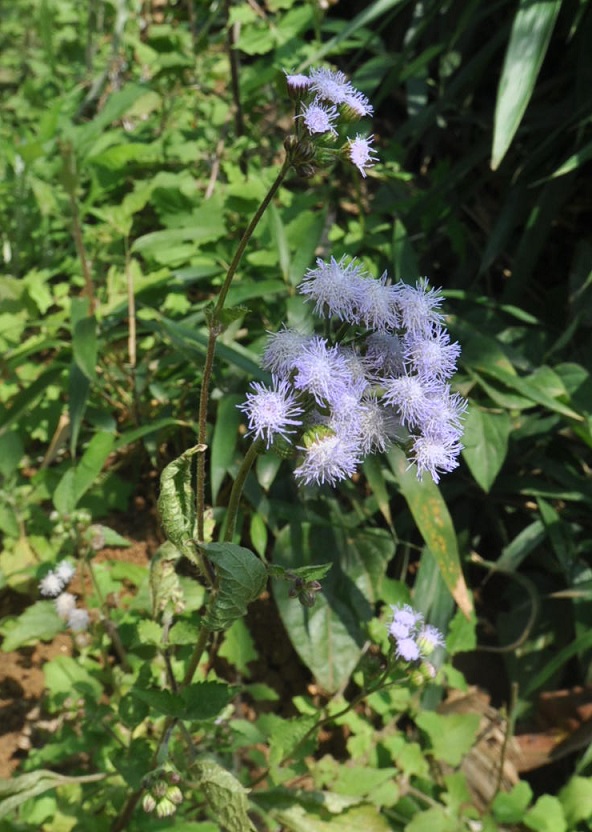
(215, 330)
(237, 488)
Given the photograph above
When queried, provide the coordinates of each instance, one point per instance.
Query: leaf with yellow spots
(435, 525)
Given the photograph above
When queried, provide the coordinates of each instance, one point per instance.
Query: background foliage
(135, 142)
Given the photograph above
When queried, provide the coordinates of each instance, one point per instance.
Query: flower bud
(148, 803)
(165, 808)
(175, 795)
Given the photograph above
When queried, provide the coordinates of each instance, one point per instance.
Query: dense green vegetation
(137, 141)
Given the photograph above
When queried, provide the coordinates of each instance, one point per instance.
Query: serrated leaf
(176, 503)
(485, 440)
(164, 581)
(238, 647)
(39, 622)
(531, 32)
(285, 735)
(225, 796)
(241, 579)
(435, 525)
(365, 817)
(451, 735)
(546, 815)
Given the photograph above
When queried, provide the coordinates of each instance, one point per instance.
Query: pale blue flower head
(431, 354)
(321, 371)
(361, 153)
(272, 411)
(282, 350)
(319, 118)
(420, 306)
(334, 287)
(328, 457)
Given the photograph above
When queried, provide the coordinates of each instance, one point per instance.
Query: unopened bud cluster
(326, 103)
(162, 795)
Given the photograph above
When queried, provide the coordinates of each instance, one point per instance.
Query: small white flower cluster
(413, 639)
(325, 99)
(53, 585)
(389, 382)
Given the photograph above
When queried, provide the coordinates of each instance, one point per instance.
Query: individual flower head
(413, 398)
(297, 84)
(428, 639)
(385, 354)
(405, 621)
(334, 287)
(434, 455)
(431, 354)
(333, 85)
(321, 370)
(361, 153)
(328, 457)
(377, 306)
(420, 306)
(64, 604)
(51, 585)
(319, 118)
(272, 412)
(407, 649)
(346, 405)
(78, 620)
(65, 571)
(379, 426)
(283, 347)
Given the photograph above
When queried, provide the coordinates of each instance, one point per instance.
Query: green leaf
(485, 440)
(531, 32)
(546, 815)
(65, 675)
(509, 807)
(176, 503)
(15, 791)
(366, 817)
(329, 636)
(39, 622)
(78, 394)
(85, 346)
(576, 799)
(435, 525)
(77, 480)
(224, 441)
(285, 735)
(451, 735)
(226, 797)
(238, 647)
(241, 579)
(436, 819)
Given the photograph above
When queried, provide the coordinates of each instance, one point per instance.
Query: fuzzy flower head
(64, 604)
(51, 585)
(282, 350)
(328, 457)
(412, 638)
(65, 571)
(319, 118)
(78, 620)
(321, 371)
(334, 287)
(333, 86)
(272, 411)
(361, 154)
(420, 306)
(297, 84)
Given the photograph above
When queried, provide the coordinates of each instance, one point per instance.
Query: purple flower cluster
(53, 585)
(412, 638)
(326, 99)
(388, 382)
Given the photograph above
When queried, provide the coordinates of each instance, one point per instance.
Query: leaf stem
(237, 488)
